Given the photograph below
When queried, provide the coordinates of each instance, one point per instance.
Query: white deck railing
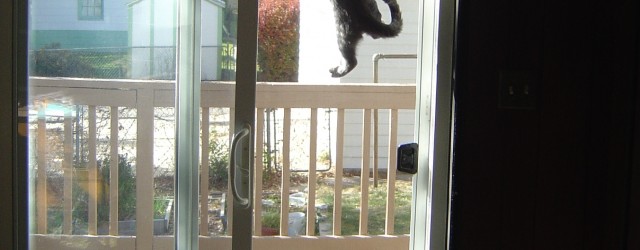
(144, 96)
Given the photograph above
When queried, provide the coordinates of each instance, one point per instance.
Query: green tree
(278, 40)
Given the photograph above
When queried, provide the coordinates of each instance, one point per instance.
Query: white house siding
(58, 22)
(63, 15)
(318, 53)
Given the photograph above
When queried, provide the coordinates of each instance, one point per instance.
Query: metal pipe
(376, 58)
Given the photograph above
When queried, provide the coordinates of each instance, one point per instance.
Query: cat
(355, 18)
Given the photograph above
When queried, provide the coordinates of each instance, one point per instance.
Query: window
(90, 9)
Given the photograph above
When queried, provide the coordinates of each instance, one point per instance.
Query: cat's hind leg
(347, 46)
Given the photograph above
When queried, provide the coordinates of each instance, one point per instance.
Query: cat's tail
(379, 29)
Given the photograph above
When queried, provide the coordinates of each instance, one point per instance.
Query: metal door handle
(243, 201)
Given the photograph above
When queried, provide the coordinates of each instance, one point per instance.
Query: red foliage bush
(278, 40)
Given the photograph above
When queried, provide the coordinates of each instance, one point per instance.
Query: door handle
(408, 158)
(243, 201)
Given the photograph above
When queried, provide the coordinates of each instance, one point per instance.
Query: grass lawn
(351, 208)
(377, 207)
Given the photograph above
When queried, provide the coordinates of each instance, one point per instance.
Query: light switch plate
(518, 89)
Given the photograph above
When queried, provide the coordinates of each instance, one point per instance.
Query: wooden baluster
(257, 192)
(113, 173)
(229, 196)
(204, 172)
(41, 186)
(286, 174)
(364, 173)
(337, 198)
(67, 167)
(311, 181)
(92, 171)
(144, 170)
(391, 172)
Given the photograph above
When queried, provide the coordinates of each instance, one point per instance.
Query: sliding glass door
(121, 143)
(146, 129)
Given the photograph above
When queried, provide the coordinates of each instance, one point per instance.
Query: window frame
(87, 17)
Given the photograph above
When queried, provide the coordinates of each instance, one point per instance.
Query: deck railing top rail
(121, 93)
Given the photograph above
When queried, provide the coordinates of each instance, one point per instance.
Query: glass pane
(102, 122)
(312, 130)
(218, 74)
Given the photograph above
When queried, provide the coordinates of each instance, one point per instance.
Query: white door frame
(188, 120)
(434, 106)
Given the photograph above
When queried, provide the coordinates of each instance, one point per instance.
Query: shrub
(126, 189)
(51, 60)
(219, 167)
(218, 164)
(278, 40)
(126, 193)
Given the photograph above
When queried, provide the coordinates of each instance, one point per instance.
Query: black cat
(357, 17)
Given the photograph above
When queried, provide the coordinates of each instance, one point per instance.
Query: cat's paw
(339, 71)
(336, 72)
(343, 69)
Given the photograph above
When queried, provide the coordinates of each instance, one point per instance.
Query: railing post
(284, 194)
(144, 170)
(204, 173)
(92, 178)
(376, 138)
(229, 199)
(337, 197)
(114, 173)
(364, 173)
(257, 192)
(41, 198)
(67, 167)
(311, 181)
(391, 172)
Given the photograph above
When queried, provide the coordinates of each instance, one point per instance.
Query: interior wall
(6, 173)
(557, 174)
(634, 207)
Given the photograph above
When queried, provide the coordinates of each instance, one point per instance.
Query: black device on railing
(408, 158)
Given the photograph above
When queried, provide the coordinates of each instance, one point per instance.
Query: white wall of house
(63, 15)
(319, 52)
(59, 22)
